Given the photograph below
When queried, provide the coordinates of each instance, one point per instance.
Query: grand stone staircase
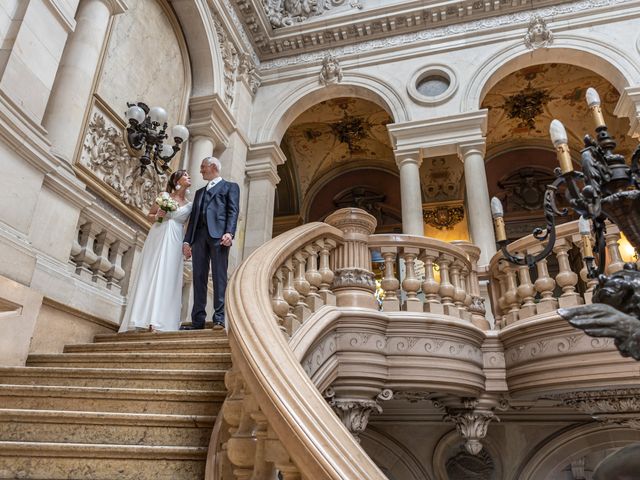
(128, 406)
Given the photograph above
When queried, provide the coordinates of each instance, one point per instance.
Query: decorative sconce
(147, 131)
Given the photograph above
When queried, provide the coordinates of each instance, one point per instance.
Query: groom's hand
(226, 240)
(186, 250)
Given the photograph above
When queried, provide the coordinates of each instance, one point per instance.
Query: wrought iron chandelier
(607, 188)
(146, 133)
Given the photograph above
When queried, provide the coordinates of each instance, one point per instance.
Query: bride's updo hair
(174, 179)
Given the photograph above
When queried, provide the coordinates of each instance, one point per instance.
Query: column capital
(440, 135)
(477, 146)
(407, 157)
(210, 117)
(263, 160)
(628, 106)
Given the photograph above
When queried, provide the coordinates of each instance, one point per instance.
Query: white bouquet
(166, 203)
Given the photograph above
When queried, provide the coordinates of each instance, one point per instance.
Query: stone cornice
(389, 25)
(210, 117)
(439, 136)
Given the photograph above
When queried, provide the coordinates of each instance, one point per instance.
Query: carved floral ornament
(284, 13)
(105, 153)
(620, 406)
(443, 217)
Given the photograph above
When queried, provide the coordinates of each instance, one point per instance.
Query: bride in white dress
(154, 302)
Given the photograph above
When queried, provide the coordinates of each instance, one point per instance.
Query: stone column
(201, 147)
(410, 192)
(262, 176)
(74, 80)
(477, 196)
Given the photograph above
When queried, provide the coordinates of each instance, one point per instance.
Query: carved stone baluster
(447, 289)
(476, 307)
(241, 447)
(314, 278)
(458, 292)
(465, 283)
(87, 255)
(390, 283)
(526, 291)
(354, 283)
(502, 309)
(326, 274)
(262, 469)
(102, 264)
(430, 286)
(511, 299)
(544, 285)
(278, 303)
(291, 295)
(303, 287)
(566, 279)
(411, 283)
(278, 456)
(613, 250)
(116, 274)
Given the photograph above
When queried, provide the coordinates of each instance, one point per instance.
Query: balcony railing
(517, 296)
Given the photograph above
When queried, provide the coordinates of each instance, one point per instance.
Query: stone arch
(289, 105)
(603, 59)
(570, 444)
(392, 456)
(199, 33)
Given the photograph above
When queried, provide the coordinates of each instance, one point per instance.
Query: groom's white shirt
(213, 182)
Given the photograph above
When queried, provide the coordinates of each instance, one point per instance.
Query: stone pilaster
(262, 175)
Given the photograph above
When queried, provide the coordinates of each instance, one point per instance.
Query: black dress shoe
(191, 327)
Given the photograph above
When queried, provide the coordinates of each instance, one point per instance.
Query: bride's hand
(160, 213)
(186, 250)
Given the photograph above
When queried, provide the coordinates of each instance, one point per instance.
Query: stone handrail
(448, 279)
(103, 251)
(515, 296)
(275, 416)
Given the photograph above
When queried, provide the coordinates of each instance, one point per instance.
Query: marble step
(191, 345)
(114, 377)
(19, 425)
(54, 461)
(130, 400)
(171, 361)
(207, 333)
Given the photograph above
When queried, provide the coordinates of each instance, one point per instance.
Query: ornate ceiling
(522, 105)
(338, 134)
(278, 28)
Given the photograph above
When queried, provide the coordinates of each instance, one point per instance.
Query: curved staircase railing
(275, 417)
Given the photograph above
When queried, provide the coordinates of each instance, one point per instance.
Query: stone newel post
(353, 284)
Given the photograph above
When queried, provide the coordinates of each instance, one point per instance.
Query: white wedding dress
(156, 295)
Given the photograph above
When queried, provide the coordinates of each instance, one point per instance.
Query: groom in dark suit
(209, 236)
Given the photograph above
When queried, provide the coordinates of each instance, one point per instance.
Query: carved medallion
(538, 34)
(443, 217)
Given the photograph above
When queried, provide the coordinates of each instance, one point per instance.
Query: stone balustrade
(448, 282)
(104, 250)
(518, 293)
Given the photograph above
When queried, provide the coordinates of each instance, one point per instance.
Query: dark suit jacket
(221, 210)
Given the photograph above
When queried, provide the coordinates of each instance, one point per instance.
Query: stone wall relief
(617, 406)
(331, 71)
(231, 58)
(108, 159)
(284, 13)
(538, 34)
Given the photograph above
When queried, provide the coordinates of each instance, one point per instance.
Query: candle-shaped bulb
(558, 133)
(584, 226)
(593, 99)
(497, 212)
(496, 208)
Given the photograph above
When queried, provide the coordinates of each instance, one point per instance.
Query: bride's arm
(154, 213)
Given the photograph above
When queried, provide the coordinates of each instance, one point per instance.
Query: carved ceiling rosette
(106, 155)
